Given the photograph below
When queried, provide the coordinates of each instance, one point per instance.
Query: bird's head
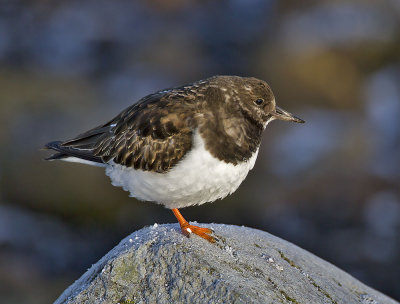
(257, 102)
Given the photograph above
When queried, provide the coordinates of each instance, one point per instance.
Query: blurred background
(331, 186)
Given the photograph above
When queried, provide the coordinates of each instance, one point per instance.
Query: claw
(202, 232)
(188, 229)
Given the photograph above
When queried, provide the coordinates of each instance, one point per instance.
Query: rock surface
(158, 264)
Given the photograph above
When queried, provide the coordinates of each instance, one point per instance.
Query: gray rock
(158, 264)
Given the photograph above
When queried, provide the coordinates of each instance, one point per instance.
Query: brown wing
(152, 135)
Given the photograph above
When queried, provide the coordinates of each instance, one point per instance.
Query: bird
(182, 146)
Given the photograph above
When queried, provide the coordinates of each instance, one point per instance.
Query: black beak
(283, 115)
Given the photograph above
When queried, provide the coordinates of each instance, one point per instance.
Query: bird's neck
(232, 140)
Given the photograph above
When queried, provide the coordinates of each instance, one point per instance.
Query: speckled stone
(157, 264)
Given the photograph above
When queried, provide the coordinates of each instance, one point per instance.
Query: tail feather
(57, 156)
(81, 147)
(65, 151)
(88, 139)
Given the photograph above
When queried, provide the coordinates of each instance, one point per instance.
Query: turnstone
(183, 146)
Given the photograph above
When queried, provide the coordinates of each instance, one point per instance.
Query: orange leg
(187, 229)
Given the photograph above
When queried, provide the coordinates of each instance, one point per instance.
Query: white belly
(198, 178)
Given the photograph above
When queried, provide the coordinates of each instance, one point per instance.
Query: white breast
(198, 178)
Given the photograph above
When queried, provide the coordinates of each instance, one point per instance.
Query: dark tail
(82, 146)
(55, 145)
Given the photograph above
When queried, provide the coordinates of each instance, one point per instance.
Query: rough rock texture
(158, 264)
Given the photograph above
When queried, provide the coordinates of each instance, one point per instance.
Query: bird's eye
(259, 101)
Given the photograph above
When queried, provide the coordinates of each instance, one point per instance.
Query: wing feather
(152, 135)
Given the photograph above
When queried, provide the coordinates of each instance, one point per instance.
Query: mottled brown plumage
(183, 146)
(156, 132)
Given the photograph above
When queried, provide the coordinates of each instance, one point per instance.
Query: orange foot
(188, 229)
